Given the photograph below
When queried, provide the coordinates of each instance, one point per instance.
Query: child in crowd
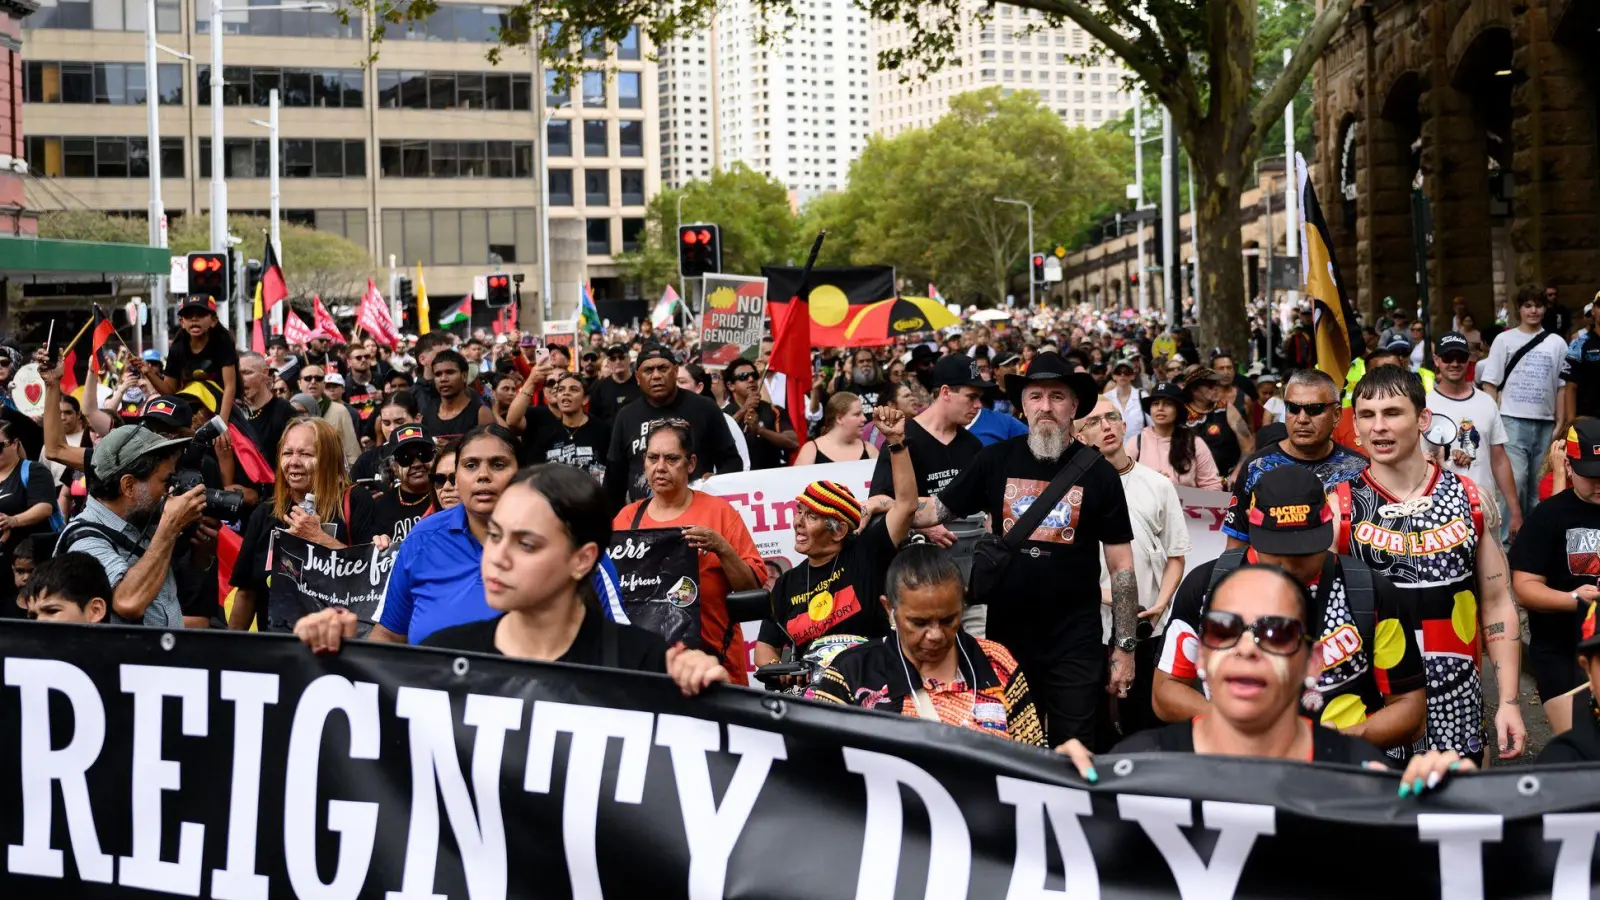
(202, 351)
(71, 587)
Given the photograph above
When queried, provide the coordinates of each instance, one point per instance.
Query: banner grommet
(460, 666)
(775, 706)
(1528, 785)
(1122, 767)
(168, 640)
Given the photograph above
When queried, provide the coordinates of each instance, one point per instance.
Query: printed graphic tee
(1478, 428)
(1340, 465)
(811, 603)
(935, 462)
(1560, 540)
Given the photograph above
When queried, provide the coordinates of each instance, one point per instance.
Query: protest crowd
(1016, 559)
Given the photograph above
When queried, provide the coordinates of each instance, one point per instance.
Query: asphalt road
(1532, 712)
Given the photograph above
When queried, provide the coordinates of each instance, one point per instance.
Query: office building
(1011, 51)
(426, 155)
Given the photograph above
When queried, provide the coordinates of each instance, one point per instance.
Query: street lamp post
(544, 201)
(271, 125)
(1031, 286)
(219, 185)
(157, 212)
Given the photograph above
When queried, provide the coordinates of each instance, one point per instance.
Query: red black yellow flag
(80, 362)
(273, 288)
(1338, 340)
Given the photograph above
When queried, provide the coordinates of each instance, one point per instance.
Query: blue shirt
(991, 427)
(437, 580)
(1339, 466)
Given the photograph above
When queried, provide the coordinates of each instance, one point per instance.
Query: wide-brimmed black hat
(1053, 367)
(1165, 390)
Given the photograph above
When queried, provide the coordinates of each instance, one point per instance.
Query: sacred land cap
(1289, 513)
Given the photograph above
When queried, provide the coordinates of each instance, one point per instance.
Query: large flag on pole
(424, 316)
(373, 317)
(80, 363)
(258, 340)
(295, 330)
(458, 313)
(273, 288)
(1338, 340)
(325, 324)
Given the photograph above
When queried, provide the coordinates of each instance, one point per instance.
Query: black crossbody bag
(992, 556)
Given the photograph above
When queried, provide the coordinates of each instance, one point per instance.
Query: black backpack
(1360, 590)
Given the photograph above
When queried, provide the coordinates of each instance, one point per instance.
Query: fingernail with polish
(1455, 765)
(1434, 778)
(1405, 789)
(1091, 775)
(1417, 787)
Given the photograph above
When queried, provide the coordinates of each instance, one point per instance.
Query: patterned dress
(1428, 547)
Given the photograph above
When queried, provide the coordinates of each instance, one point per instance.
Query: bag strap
(1505, 377)
(1361, 594)
(1227, 562)
(638, 515)
(1475, 501)
(608, 642)
(344, 507)
(1050, 496)
(74, 532)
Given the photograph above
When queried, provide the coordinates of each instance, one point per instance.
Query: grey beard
(1047, 442)
(862, 376)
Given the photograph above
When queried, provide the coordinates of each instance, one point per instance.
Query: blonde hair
(838, 405)
(327, 480)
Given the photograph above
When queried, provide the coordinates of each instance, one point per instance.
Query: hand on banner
(1513, 734)
(693, 670)
(323, 630)
(381, 541)
(1082, 759)
(1428, 771)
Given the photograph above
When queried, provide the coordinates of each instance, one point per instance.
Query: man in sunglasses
(1311, 402)
(1372, 681)
(766, 428)
(412, 500)
(1429, 532)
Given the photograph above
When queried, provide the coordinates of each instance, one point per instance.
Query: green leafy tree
(924, 201)
(757, 221)
(314, 262)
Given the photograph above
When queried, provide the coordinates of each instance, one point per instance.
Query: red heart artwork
(34, 392)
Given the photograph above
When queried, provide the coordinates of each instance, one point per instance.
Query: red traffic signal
(1038, 268)
(689, 237)
(499, 290)
(699, 250)
(208, 275)
(1133, 278)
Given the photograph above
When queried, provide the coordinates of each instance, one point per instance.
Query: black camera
(223, 505)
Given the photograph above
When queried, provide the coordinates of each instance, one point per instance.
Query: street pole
(683, 300)
(1029, 267)
(1138, 182)
(157, 212)
(1291, 206)
(219, 185)
(1169, 218)
(1267, 284)
(540, 96)
(394, 293)
(273, 161)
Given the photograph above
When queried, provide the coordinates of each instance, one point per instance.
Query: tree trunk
(1223, 321)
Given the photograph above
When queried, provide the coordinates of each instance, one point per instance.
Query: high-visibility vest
(1358, 370)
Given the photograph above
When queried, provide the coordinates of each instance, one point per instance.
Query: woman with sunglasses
(444, 478)
(412, 454)
(1256, 682)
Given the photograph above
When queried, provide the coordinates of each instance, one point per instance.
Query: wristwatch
(1128, 644)
(896, 448)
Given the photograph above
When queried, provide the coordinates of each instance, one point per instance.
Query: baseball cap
(958, 370)
(1289, 513)
(1398, 344)
(1005, 359)
(169, 410)
(590, 354)
(151, 356)
(1267, 378)
(1451, 342)
(333, 378)
(409, 434)
(1165, 390)
(1123, 363)
(124, 446)
(1583, 448)
(616, 350)
(654, 351)
(1587, 638)
(198, 301)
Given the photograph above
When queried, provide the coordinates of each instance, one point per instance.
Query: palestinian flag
(458, 314)
(81, 361)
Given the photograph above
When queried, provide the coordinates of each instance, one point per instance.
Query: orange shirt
(718, 636)
(1345, 432)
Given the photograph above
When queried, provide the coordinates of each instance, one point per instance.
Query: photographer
(128, 476)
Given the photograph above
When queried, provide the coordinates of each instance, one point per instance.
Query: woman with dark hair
(727, 555)
(310, 467)
(1258, 658)
(928, 667)
(444, 478)
(395, 411)
(505, 391)
(544, 545)
(840, 439)
(1169, 446)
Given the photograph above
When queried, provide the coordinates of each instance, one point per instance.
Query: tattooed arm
(1124, 614)
(930, 512)
(1502, 632)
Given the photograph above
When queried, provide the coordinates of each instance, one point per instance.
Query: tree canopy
(753, 211)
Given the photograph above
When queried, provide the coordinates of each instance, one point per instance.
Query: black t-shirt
(1327, 745)
(586, 446)
(1350, 668)
(762, 454)
(250, 570)
(935, 462)
(841, 598)
(399, 511)
(873, 394)
(1582, 368)
(363, 400)
(443, 429)
(1560, 540)
(638, 650)
(713, 443)
(1034, 612)
(268, 424)
(206, 364)
(17, 498)
(609, 396)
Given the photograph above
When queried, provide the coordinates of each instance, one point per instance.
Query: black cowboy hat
(1054, 367)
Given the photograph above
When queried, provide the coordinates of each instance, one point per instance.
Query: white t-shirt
(1160, 532)
(1276, 409)
(1479, 428)
(1531, 391)
(1132, 411)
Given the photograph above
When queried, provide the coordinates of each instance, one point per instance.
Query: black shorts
(1555, 672)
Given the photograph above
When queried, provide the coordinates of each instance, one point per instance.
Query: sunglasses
(1310, 409)
(744, 376)
(1278, 635)
(311, 378)
(440, 479)
(412, 456)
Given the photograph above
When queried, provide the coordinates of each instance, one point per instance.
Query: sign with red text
(731, 324)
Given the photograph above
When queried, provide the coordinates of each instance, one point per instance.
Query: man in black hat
(1372, 679)
(1554, 564)
(1053, 630)
(714, 449)
(616, 387)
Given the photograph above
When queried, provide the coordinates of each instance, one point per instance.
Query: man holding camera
(128, 477)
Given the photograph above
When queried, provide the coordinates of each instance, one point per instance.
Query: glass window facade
(297, 88)
(115, 84)
(100, 157)
(298, 158)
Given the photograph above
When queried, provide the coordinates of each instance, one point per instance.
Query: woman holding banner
(681, 551)
(1258, 659)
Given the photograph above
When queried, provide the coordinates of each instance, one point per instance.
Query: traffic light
(1133, 278)
(208, 276)
(499, 293)
(1038, 268)
(699, 250)
(408, 300)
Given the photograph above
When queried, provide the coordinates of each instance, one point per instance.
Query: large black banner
(241, 766)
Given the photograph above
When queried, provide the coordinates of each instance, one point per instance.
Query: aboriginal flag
(80, 362)
(1338, 340)
(837, 296)
(273, 288)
